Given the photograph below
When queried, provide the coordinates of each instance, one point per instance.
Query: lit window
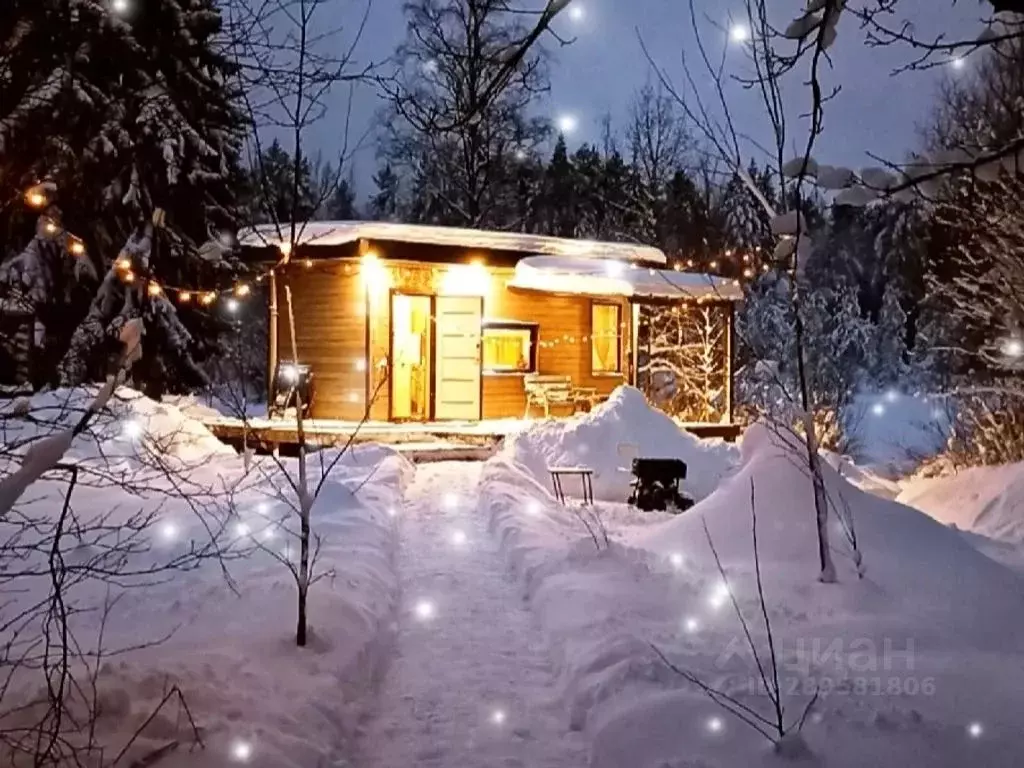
(605, 333)
(510, 347)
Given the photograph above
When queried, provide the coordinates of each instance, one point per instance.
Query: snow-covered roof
(343, 232)
(560, 274)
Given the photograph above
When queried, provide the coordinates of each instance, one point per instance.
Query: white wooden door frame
(470, 377)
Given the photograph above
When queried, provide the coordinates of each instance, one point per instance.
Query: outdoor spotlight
(293, 382)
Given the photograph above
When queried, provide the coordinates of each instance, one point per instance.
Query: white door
(457, 370)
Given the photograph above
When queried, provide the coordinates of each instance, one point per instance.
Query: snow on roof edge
(329, 233)
(581, 276)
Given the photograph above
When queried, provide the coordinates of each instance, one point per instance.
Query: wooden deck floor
(272, 434)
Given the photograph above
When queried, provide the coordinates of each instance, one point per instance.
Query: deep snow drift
(988, 501)
(593, 439)
(919, 663)
(220, 629)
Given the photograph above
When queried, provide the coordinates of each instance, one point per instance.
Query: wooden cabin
(409, 323)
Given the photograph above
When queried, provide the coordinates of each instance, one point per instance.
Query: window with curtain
(605, 338)
(509, 347)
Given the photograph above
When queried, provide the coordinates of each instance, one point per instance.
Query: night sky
(603, 67)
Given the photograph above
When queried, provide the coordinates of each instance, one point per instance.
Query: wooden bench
(545, 391)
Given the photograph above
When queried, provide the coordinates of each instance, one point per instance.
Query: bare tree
(456, 115)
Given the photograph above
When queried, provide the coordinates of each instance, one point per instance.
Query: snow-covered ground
(471, 683)
(602, 438)
(465, 618)
(222, 629)
(919, 663)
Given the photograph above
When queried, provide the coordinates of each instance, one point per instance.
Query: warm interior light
(375, 274)
(466, 280)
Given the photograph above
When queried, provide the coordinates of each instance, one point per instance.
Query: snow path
(480, 653)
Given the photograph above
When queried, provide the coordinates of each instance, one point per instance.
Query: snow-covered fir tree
(273, 194)
(129, 291)
(126, 109)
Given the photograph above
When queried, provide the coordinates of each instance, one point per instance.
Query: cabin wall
(330, 334)
(331, 300)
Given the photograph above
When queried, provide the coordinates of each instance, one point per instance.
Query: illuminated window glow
(605, 334)
(509, 347)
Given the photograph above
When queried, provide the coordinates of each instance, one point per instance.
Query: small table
(585, 474)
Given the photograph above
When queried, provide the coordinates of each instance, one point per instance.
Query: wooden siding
(331, 332)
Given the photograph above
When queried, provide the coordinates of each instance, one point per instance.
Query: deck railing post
(272, 340)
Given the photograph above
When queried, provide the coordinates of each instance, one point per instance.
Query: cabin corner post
(730, 346)
(272, 315)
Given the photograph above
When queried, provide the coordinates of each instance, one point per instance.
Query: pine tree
(560, 195)
(341, 203)
(125, 113)
(384, 204)
(281, 200)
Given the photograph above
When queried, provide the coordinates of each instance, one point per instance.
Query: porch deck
(408, 437)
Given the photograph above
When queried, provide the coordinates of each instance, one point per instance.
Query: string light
(232, 305)
(153, 289)
(123, 263)
(36, 198)
(308, 263)
(242, 290)
(208, 298)
(184, 297)
(128, 276)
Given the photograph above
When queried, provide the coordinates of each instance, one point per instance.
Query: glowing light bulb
(241, 529)
(361, 364)
(690, 624)
(975, 730)
(958, 62)
(35, 199)
(1013, 347)
(892, 396)
(715, 724)
(132, 429)
(739, 33)
(614, 268)
(185, 297)
(241, 751)
(425, 610)
(498, 716)
(242, 290)
(718, 595)
(169, 531)
(676, 558)
(232, 305)
(878, 409)
(269, 532)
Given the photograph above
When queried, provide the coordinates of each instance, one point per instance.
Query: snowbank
(904, 660)
(222, 630)
(593, 440)
(131, 426)
(988, 501)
